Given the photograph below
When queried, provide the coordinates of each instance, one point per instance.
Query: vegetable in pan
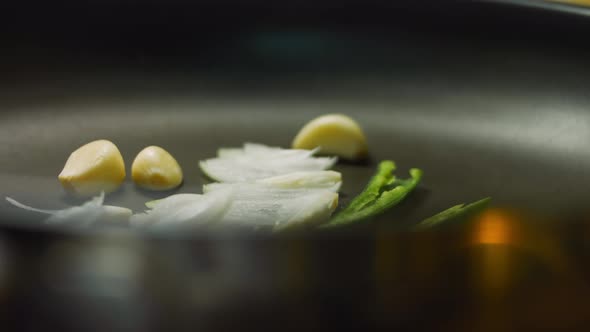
(93, 168)
(383, 192)
(88, 213)
(454, 214)
(155, 169)
(257, 161)
(336, 134)
(259, 187)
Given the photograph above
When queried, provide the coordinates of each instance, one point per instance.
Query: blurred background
(510, 269)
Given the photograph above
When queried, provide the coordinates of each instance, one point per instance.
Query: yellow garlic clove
(155, 169)
(335, 134)
(92, 168)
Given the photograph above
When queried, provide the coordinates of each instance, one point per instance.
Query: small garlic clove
(335, 134)
(92, 168)
(155, 169)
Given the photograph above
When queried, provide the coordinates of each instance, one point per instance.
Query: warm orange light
(494, 227)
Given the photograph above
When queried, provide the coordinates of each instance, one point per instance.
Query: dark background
(345, 35)
(256, 48)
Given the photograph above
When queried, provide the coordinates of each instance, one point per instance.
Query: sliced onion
(256, 161)
(265, 205)
(330, 180)
(317, 209)
(185, 210)
(88, 213)
(261, 150)
(281, 210)
(253, 205)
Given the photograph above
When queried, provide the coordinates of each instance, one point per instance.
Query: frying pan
(488, 99)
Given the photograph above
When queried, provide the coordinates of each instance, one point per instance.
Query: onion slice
(264, 205)
(257, 161)
(250, 205)
(330, 180)
(86, 214)
(184, 210)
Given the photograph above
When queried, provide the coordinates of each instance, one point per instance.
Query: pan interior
(515, 149)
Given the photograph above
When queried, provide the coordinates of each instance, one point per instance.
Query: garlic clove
(92, 168)
(335, 134)
(155, 169)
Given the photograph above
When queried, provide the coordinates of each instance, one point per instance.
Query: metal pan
(488, 99)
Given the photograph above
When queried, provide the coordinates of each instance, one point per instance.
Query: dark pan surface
(488, 99)
(485, 98)
(525, 149)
